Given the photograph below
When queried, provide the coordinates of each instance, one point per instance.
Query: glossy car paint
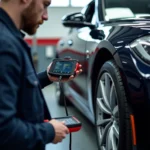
(93, 50)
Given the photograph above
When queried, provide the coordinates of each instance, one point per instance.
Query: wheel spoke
(109, 139)
(116, 130)
(112, 97)
(104, 95)
(107, 86)
(114, 143)
(104, 135)
(115, 112)
(103, 122)
(102, 106)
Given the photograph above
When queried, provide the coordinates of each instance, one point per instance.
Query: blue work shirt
(22, 104)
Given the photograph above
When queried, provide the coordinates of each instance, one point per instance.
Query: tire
(112, 117)
(60, 96)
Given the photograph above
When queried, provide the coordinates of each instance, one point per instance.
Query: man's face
(34, 15)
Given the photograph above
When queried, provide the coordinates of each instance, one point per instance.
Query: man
(22, 105)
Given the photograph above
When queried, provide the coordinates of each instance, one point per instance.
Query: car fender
(108, 50)
(109, 47)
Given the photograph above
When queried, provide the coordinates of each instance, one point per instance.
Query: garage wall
(53, 27)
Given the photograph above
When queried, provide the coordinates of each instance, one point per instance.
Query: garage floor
(82, 140)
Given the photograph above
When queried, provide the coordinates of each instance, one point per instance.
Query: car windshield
(120, 9)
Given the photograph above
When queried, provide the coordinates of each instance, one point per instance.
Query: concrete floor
(82, 140)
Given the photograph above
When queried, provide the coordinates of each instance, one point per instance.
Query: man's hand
(56, 79)
(60, 130)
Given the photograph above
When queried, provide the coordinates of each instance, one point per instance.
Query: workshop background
(44, 41)
(43, 46)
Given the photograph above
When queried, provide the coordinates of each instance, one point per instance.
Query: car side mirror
(77, 20)
(97, 34)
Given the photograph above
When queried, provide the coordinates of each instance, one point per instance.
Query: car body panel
(110, 40)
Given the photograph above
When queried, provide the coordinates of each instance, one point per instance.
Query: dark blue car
(111, 39)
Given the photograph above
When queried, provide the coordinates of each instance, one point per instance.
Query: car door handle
(62, 43)
(70, 42)
(87, 54)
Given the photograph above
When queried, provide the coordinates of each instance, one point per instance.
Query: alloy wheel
(107, 113)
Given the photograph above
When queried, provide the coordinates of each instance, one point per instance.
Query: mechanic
(22, 104)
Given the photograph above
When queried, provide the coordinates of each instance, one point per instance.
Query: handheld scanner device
(63, 67)
(71, 122)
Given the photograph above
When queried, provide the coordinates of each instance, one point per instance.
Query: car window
(88, 11)
(94, 19)
(120, 9)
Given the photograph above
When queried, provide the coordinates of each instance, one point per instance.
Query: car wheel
(112, 117)
(60, 96)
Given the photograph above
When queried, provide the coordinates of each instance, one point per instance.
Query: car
(111, 40)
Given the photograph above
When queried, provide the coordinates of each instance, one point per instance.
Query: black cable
(61, 90)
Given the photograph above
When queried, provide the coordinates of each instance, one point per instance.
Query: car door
(94, 37)
(74, 46)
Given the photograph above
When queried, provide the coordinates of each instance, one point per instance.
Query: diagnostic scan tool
(72, 123)
(63, 67)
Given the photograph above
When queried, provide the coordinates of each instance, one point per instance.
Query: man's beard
(30, 23)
